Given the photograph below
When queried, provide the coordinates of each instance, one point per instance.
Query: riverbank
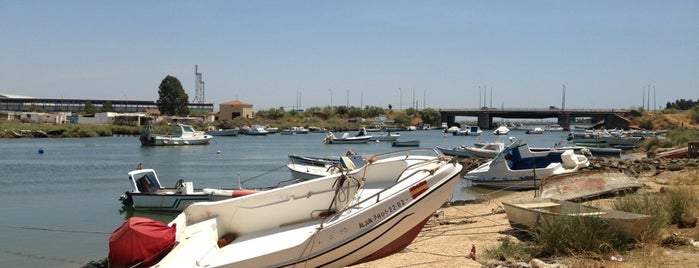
(447, 239)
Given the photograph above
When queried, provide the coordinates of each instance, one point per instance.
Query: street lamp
(331, 97)
(401, 98)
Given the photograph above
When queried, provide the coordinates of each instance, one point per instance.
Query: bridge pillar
(450, 119)
(485, 121)
(564, 121)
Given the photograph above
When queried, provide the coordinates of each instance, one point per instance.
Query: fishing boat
(529, 213)
(405, 143)
(224, 132)
(181, 135)
(361, 137)
(148, 193)
(334, 221)
(518, 168)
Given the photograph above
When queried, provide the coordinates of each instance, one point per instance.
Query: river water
(59, 207)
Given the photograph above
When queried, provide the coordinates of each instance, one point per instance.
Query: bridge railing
(576, 110)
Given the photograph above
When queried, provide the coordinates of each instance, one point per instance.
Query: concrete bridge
(613, 118)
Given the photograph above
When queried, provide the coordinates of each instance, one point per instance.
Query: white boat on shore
(518, 168)
(529, 213)
(334, 221)
(181, 135)
(148, 193)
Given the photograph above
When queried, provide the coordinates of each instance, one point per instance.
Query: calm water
(59, 208)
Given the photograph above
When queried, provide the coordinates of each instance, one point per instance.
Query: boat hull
(530, 213)
(381, 220)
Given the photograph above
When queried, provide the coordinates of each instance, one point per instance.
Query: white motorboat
(334, 221)
(501, 130)
(468, 131)
(148, 193)
(518, 168)
(536, 130)
(303, 170)
(181, 135)
(257, 130)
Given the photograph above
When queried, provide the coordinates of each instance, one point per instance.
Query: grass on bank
(591, 237)
(67, 130)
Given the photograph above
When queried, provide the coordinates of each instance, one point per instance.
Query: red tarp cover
(139, 239)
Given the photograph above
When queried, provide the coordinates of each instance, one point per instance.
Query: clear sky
(273, 54)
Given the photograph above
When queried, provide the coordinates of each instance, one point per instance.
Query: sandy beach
(446, 240)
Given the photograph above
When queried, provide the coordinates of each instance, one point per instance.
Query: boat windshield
(501, 155)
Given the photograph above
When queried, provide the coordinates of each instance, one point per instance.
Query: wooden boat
(529, 213)
(334, 221)
(583, 185)
(181, 135)
(682, 152)
(518, 168)
(405, 143)
(224, 132)
(148, 193)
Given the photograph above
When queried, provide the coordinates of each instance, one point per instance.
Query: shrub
(647, 204)
(575, 235)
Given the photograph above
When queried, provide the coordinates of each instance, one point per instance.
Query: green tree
(430, 116)
(90, 108)
(173, 100)
(107, 107)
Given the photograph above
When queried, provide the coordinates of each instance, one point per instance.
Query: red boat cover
(140, 240)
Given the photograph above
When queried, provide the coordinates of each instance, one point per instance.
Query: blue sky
(356, 52)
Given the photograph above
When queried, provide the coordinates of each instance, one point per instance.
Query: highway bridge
(613, 118)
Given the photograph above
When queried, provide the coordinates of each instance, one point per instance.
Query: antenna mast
(198, 86)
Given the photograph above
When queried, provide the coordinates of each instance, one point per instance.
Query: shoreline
(446, 241)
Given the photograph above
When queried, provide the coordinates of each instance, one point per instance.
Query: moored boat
(148, 193)
(181, 135)
(334, 221)
(224, 132)
(405, 143)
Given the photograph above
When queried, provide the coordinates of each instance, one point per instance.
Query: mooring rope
(52, 229)
(273, 170)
